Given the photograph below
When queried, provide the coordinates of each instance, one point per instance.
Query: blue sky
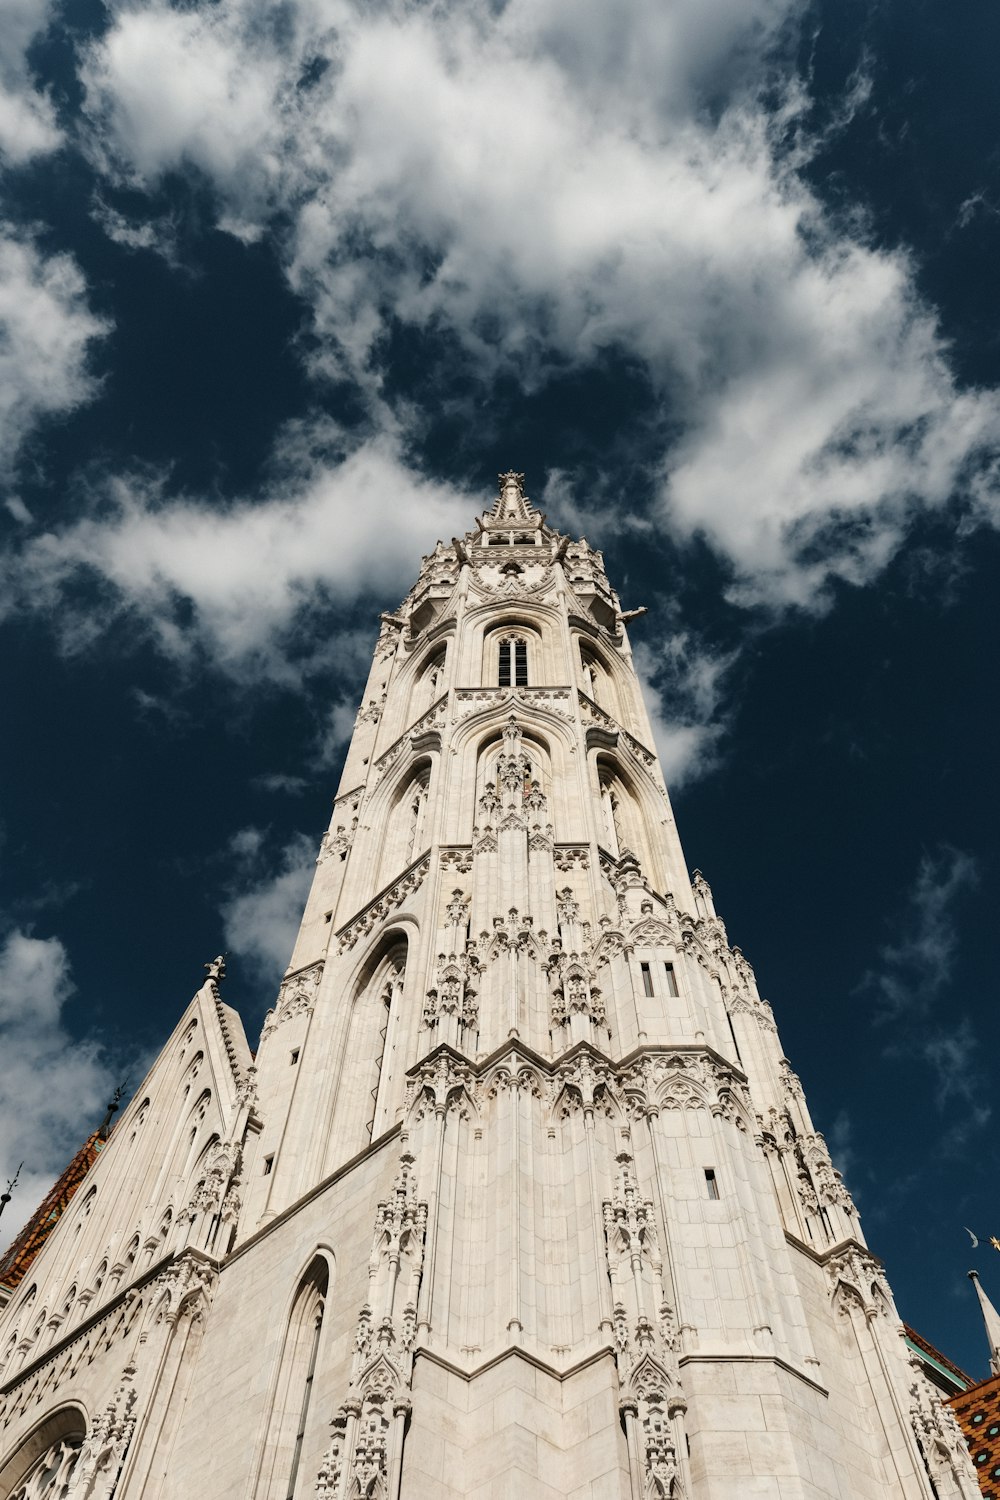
(283, 286)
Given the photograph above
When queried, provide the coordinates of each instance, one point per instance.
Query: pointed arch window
(513, 662)
(417, 816)
(283, 1474)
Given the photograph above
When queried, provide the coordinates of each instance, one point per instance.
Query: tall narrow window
(711, 1185)
(306, 1397)
(287, 1433)
(671, 979)
(418, 810)
(647, 979)
(513, 662)
(391, 991)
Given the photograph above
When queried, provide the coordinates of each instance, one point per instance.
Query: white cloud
(263, 912)
(915, 968)
(53, 1086)
(27, 120)
(683, 685)
(45, 330)
(911, 984)
(252, 574)
(545, 181)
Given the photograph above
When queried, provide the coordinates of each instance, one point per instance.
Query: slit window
(647, 979)
(268, 1164)
(295, 1056)
(513, 663)
(711, 1185)
(671, 979)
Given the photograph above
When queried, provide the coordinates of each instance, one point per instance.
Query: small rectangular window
(671, 979)
(268, 1164)
(295, 1056)
(710, 1183)
(328, 917)
(647, 979)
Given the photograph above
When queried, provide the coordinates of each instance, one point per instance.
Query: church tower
(519, 1195)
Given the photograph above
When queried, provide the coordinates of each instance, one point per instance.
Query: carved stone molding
(457, 857)
(387, 901)
(185, 1288)
(337, 841)
(858, 1282)
(939, 1437)
(297, 996)
(555, 700)
(693, 1079)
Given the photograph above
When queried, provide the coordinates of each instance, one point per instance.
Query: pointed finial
(104, 1129)
(512, 498)
(216, 970)
(11, 1185)
(992, 1320)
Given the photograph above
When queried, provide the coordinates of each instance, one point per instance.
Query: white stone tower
(520, 1196)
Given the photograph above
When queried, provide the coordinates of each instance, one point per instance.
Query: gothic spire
(512, 504)
(992, 1320)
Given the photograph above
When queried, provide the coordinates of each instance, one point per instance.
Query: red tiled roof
(978, 1413)
(15, 1262)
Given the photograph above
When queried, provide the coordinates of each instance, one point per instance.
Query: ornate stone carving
(443, 1083)
(106, 1444)
(939, 1437)
(555, 700)
(297, 996)
(570, 856)
(858, 1283)
(372, 711)
(645, 1334)
(51, 1476)
(368, 1429)
(387, 902)
(693, 1079)
(216, 969)
(337, 841)
(185, 1288)
(457, 857)
(219, 1179)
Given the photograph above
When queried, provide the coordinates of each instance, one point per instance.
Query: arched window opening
(293, 1395)
(51, 1476)
(621, 814)
(434, 672)
(611, 808)
(367, 1094)
(390, 993)
(416, 807)
(513, 667)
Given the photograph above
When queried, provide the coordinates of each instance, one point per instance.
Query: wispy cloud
(911, 990)
(53, 1085)
(27, 120)
(242, 588)
(684, 683)
(914, 970)
(46, 331)
(267, 892)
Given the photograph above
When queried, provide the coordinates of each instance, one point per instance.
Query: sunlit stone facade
(519, 1196)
